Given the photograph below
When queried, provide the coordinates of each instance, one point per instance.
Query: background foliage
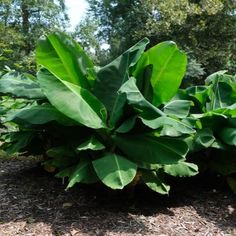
(22, 22)
(206, 30)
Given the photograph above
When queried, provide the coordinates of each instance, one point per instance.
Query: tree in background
(22, 22)
(206, 29)
(86, 34)
(119, 21)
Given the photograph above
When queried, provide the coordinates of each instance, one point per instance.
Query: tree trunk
(25, 14)
(25, 17)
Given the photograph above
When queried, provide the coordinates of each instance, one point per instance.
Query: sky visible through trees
(105, 28)
(76, 10)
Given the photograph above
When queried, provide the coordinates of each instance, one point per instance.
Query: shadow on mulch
(29, 194)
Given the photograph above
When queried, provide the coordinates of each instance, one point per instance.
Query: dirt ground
(34, 203)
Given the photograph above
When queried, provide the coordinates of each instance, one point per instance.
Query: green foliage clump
(22, 22)
(121, 123)
(207, 28)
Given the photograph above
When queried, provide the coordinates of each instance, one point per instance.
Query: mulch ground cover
(34, 203)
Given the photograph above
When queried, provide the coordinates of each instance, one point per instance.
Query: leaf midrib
(76, 94)
(118, 168)
(71, 75)
(163, 68)
(118, 96)
(165, 146)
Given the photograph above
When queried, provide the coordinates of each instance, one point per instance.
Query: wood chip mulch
(34, 203)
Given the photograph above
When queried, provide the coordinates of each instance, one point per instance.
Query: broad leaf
(169, 131)
(137, 100)
(223, 90)
(61, 157)
(199, 94)
(73, 101)
(153, 150)
(220, 76)
(112, 76)
(127, 125)
(164, 122)
(203, 139)
(91, 144)
(64, 58)
(67, 172)
(220, 96)
(83, 172)
(115, 171)
(168, 69)
(214, 76)
(60, 151)
(154, 182)
(178, 108)
(228, 135)
(182, 169)
(20, 86)
(38, 115)
(225, 113)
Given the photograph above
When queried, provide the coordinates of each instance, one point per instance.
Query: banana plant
(117, 124)
(215, 113)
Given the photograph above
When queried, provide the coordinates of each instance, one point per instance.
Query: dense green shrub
(122, 123)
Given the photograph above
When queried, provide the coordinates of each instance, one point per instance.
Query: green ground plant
(124, 123)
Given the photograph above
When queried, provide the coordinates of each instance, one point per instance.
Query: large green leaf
(137, 100)
(223, 90)
(168, 69)
(182, 169)
(220, 96)
(61, 157)
(199, 94)
(155, 182)
(169, 126)
(178, 108)
(150, 115)
(225, 112)
(73, 101)
(153, 150)
(20, 86)
(127, 125)
(217, 98)
(176, 128)
(64, 58)
(203, 139)
(214, 76)
(228, 135)
(38, 115)
(60, 151)
(115, 171)
(83, 172)
(222, 77)
(92, 144)
(164, 122)
(112, 76)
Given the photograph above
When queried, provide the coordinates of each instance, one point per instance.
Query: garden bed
(35, 203)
